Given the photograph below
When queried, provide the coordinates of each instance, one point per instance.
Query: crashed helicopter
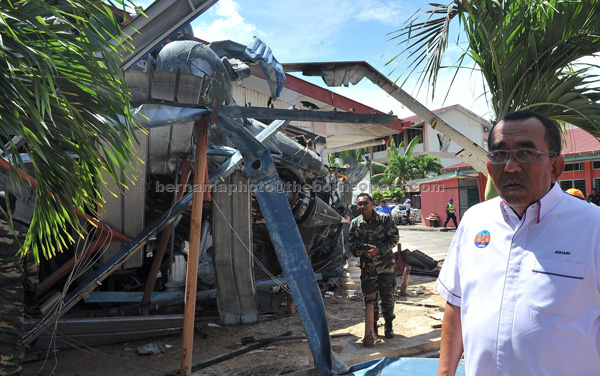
(295, 208)
(174, 86)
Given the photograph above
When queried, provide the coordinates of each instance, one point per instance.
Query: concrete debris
(152, 349)
(437, 315)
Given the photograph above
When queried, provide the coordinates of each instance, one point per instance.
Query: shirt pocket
(553, 286)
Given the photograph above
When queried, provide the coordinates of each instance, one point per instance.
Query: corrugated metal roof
(576, 141)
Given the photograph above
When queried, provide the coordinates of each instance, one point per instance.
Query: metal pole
(195, 233)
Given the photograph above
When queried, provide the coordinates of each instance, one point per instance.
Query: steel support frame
(159, 21)
(307, 115)
(288, 244)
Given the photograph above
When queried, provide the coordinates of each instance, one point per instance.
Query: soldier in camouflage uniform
(373, 236)
(12, 277)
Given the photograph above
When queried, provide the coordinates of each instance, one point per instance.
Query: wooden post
(404, 284)
(193, 255)
(370, 338)
(291, 306)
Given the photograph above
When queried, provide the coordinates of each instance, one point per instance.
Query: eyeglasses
(521, 155)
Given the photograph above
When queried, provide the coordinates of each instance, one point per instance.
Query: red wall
(572, 175)
(481, 185)
(588, 174)
(435, 196)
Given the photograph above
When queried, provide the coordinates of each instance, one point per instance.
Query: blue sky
(337, 30)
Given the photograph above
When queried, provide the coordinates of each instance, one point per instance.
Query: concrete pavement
(433, 241)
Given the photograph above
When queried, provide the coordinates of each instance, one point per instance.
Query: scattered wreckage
(291, 177)
(286, 210)
(283, 212)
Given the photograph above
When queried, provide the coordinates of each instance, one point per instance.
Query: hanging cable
(256, 260)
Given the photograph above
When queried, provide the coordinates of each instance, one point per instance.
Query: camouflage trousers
(12, 277)
(377, 286)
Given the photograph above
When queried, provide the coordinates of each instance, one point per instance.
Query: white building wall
(446, 150)
(244, 96)
(380, 156)
(463, 123)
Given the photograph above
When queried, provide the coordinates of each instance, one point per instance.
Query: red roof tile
(577, 141)
(457, 166)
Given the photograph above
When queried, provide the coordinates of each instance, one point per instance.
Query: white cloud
(231, 25)
(312, 30)
(301, 30)
(386, 12)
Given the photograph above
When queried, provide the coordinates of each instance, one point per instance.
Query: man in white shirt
(522, 276)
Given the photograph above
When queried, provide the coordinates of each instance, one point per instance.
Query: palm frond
(63, 92)
(525, 51)
(426, 41)
(378, 167)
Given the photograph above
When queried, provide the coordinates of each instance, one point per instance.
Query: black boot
(389, 332)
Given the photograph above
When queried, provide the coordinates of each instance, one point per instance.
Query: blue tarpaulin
(400, 367)
(273, 71)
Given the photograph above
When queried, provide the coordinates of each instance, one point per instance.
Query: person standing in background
(450, 209)
(383, 208)
(12, 277)
(373, 236)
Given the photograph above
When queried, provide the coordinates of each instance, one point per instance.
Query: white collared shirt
(529, 288)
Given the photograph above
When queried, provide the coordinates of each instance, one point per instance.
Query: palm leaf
(525, 51)
(378, 167)
(432, 34)
(63, 92)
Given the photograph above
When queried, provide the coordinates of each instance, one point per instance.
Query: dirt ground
(416, 327)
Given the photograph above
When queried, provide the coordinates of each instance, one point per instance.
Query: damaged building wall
(124, 210)
(232, 229)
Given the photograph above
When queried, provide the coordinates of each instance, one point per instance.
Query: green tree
(426, 165)
(525, 51)
(351, 157)
(378, 167)
(377, 195)
(403, 165)
(64, 102)
(394, 192)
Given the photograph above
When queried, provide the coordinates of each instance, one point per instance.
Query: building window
(578, 183)
(596, 184)
(578, 166)
(377, 148)
(412, 133)
(596, 165)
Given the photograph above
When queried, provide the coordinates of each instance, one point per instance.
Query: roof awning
(334, 121)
